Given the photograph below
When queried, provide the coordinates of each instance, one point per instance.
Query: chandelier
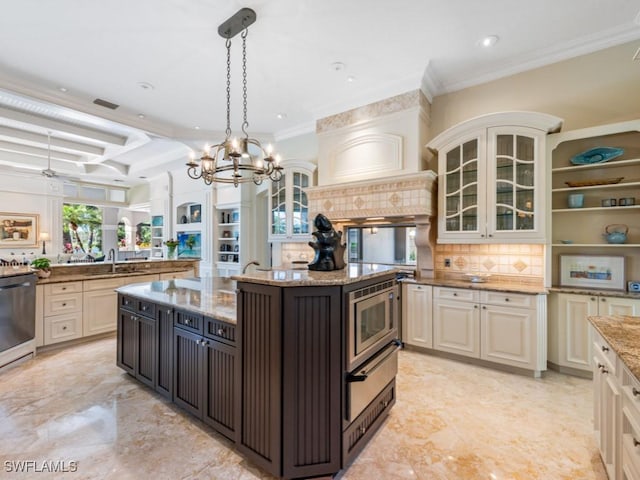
(236, 160)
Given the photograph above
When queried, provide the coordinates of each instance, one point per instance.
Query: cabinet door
(187, 371)
(100, 312)
(145, 363)
(608, 416)
(574, 335)
(164, 351)
(289, 206)
(618, 306)
(417, 319)
(220, 374)
(456, 327)
(127, 342)
(508, 335)
(514, 197)
(462, 189)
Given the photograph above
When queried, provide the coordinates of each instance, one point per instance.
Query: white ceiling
(106, 49)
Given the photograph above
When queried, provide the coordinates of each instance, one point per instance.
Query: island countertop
(622, 333)
(213, 297)
(353, 272)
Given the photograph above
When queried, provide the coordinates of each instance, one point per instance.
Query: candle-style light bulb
(269, 149)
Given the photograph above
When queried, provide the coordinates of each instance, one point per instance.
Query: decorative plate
(593, 183)
(596, 155)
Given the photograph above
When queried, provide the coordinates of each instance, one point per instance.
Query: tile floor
(451, 421)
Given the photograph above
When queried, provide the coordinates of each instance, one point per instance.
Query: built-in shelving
(599, 166)
(598, 245)
(598, 187)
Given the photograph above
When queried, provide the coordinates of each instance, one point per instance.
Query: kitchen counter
(608, 293)
(71, 272)
(14, 271)
(622, 333)
(213, 297)
(352, 273)
(495, 286)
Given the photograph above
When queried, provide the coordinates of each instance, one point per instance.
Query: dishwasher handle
(365, 372)
(15, 285)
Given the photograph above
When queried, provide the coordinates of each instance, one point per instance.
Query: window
(81, 228)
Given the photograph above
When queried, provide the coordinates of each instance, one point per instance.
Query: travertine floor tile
(451, 421)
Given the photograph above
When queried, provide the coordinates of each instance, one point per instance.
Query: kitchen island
(276, 379)
(616, 400)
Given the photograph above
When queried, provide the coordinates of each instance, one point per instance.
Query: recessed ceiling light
(117, 180)
(62, 89)
(351, 79)
(489, 41)
(338, 66)
(142, 177)
(145, 86)
(141, 115)
(197, 127)
(281, 116)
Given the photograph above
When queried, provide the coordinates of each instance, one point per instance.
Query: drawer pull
(64, 288)
(64, 328)
(455, 294)
(144, 308)
(600, 366)
(635, 391)
(168, 312)
(362, 429)
(593, 299)
(64, 304)
(221, 331)
(603, 299)
(484, 307)
(186, 322)
(604, 370)
(475, 306)
(605, 348)
(635, 442)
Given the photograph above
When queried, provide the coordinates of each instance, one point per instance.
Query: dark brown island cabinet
(276, 382)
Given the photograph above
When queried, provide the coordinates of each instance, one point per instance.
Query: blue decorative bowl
(596, 155)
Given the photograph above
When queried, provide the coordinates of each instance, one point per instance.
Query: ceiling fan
(48, 172)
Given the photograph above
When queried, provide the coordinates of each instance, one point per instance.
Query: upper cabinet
(288, 204)
(491, 170)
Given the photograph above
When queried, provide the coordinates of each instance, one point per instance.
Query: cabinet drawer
(128, 303)
(66, 287)
(188, 320)
(508, 299)
(61, 328)
(60, 304)
(631, 389)
(630, 441)
(457, 294)
(102, 284)
(605, 351)
(145, 308)
(219, 330)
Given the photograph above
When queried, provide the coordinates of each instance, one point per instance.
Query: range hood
(388, 200)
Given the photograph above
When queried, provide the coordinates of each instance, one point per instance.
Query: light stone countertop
(494, 286)
(353, 272)
(608, 293)
(14, 271)
(622, 333)
(213, 297)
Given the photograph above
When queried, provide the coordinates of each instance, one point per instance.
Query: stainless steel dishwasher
(17, 317)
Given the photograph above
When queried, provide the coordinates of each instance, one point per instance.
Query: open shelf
(596, 187)
(598, 245)
(593, 209)
(612, 164)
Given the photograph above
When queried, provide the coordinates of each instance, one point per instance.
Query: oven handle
(362, 376)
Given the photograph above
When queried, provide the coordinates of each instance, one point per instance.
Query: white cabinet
(100, 306)
(417, 320)
(569, 333)
(630, 426)
(607, 405)
(62, 312)
(288, 203)
(504, 328)
(228, 249)
(39, 315)
(490, 172)
(157, 235)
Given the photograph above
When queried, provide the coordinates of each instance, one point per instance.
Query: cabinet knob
(635, 442)
(64, 304)
(64, 328)
(635, 391)
(604, 370)
(455, 294)
(482, 235)
(506, 299)
(600, 366)
(490, 235)
(64, 288)
(168, 312)
(605, 348)
(144, 308)
(221, 331)
(603, 299)
(484, 307)
(593, 299)
(362, 429)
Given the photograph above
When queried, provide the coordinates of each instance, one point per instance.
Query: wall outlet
(447, 262)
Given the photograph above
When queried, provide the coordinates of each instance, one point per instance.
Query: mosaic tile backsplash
(505, 262)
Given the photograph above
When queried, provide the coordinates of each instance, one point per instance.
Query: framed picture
(19, 230)
(592, 271)
(223, 258)
(194, 214)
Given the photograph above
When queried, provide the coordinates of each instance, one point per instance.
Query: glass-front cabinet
(491, 172)
(289, 205)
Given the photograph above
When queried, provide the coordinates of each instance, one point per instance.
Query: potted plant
(171, 248)
(42, 267)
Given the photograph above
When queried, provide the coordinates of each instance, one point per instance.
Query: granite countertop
(297, 278)
(214, 297)
(494, 286)
(622, 333)
(15, 271)
(608, 293)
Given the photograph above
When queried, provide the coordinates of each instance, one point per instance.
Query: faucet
(112, 257)
(252, 262)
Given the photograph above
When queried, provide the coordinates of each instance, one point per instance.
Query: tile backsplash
(505, 262)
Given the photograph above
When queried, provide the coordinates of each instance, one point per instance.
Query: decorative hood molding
(400, 196)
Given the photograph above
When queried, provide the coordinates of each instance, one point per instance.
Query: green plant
(171, 243)
(41, 263)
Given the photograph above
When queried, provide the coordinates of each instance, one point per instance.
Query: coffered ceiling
(163, 63)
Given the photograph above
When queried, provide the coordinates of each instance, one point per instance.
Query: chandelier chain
(245, 123)
(228, 45)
